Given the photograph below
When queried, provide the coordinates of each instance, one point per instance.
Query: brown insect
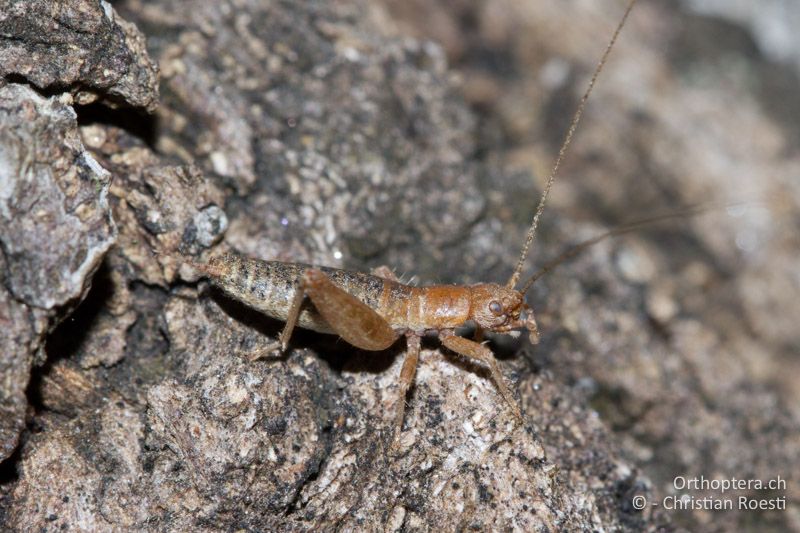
(371, 311)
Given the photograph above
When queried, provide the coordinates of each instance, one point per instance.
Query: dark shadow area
(68, 337)
(9, 474)
(506, 346)
(342, 356)
(135, 121)
(248, 316)
(142, 125)
(55, 89)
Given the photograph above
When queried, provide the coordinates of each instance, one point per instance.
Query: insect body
(371, 311)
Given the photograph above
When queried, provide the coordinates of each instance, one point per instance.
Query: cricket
(372, 311)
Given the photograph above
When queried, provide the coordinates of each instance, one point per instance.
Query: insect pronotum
(371, 311)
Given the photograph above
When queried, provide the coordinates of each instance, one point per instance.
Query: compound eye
(496, 308)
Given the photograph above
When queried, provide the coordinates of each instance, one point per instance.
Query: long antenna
(567, 140)
(627, 228)
(581, 246)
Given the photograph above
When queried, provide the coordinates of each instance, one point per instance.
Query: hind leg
(349, 317)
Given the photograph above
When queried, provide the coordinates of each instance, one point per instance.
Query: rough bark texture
(56, 227)
(80, 47)
(340, 133)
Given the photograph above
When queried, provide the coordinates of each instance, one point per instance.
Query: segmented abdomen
(269, 286)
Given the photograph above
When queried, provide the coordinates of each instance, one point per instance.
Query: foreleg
(406, 379)
(479, 352)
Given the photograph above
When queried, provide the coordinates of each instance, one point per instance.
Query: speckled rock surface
(320, 131)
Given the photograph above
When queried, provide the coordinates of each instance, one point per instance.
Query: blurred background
(697, 105)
